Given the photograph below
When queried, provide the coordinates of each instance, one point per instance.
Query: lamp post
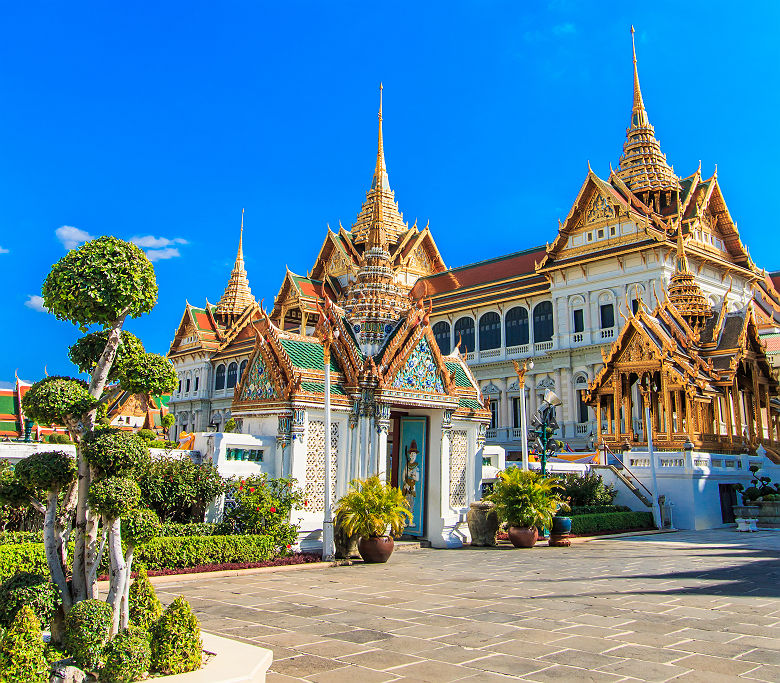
(647, 388)
(527, 365)
(328, 540)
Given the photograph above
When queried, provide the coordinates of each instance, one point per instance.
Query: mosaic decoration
(458, 452)
(420, 371)
(258, 383)
(315, 464)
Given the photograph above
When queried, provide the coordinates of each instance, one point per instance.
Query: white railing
(490, 433)
(577, 337)
(608, 333)
(521, 350)
(582, 428)
(543, 346)
(470, 356)
(517, 433)
(671, 462)
(490, 353)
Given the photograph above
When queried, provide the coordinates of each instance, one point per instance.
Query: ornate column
(283, 438)
(382, 426)
(617, 380)
(737, 412)
(759, 422)
(446, 428)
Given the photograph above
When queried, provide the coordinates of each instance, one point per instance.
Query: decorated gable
(258, 384)
(420, 372)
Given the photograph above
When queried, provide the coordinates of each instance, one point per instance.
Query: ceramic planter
(523, 536)
(482, 519)
(559, 534)
(375, 549)
(769, 513)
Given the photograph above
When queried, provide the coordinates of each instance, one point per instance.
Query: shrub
(263, 506)
(33, 590)
(146, 434)
(140, 526)
(190, 551)
(192, 529)
(53, 398)
(23, 557)
(526, 498)
(595, 510)
(114, 452)
(8, 537)
(128, 656)
(613, 521)
(176, 644)
(86, 631)
(145, 608)
(586, 489)
(46, 470)
(370, 506)
(22, 657)
(113, 497)
(160, 443)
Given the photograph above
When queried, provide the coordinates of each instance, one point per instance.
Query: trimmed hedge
(611, 521)
(22, 557)
(171, 529)
(190, 551)
(7, 537)
(595, 510)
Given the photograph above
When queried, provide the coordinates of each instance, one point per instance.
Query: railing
(490, 353)
(608, 333)
(577, 337)
(470, 355)
(543, 346)
(628, 473)
(582, 428)
(517, 433)
(521, 350)
(490, 433)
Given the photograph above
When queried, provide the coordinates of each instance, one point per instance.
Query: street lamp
(527, 365)
(545, 422)
(328, 539)
(648, 387)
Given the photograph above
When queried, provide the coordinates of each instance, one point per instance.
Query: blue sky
(163, 120)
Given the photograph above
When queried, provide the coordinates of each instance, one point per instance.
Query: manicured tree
(167, 421)
(101, 283)
(138, 527)
(145, 607)
(22, 651)
(176, 644)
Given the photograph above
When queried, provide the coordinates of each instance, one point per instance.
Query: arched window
(489, 331)
(219, 382)
(543, 322)
(441, 333)
(464, 329)
(231, 375)
(241, 369)
(516, 324)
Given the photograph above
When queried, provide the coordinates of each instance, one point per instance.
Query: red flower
(258, 507)
(288, 546)
(273, 509)
(252, 489)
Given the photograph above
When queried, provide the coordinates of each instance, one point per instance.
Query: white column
(328, 544)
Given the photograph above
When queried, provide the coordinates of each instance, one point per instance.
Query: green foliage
(586, 489)
(46, 470)
(140, 526)
(87, 626)
(760, 487)
(176, 644)
(167, 420)
(8, 537)
(22, 557)
(230, 426)
(611, 521)
(33, 590)
(149, 373)
(370, 506)
(771, 497)
(114, 452)
(192, 529)
(15, 508)
(595, 510)
(95, 283)
(263, 506)
(146, 434)
(144, 607)
(52, 399)
(526, 498)
(22, 649)
(128, 656)
(178, 490)
(86, 352)
(59, 438)
(114, 497)
(192, 551)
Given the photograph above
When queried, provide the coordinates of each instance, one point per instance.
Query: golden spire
(643, 165)
(380, 181)
(682, 259)
(237, 294)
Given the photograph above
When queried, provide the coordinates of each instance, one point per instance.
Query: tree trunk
(82, 511)
(53, 547)
(126, 588)
(116, 585)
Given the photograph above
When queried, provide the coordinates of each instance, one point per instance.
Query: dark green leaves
(47, 470)
(150, 373)
(114, 452)
(95, 283)
(86, 352)
(54, 398)
(113, 497)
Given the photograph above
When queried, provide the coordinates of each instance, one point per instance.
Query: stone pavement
(690, 606)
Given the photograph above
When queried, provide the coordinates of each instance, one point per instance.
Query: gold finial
(380, 172)
(682, 259)
(639, 115)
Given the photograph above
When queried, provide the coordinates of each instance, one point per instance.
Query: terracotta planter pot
(482, 519)
(375, 549)
(522, 536)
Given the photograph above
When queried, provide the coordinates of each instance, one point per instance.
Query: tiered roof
(238, 296)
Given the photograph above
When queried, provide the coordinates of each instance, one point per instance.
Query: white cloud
(162, 254)
(3, 251)
(566, 29)
(36, 303)
(149, 241)
(71, 237)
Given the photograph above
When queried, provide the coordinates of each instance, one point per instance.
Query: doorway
(411, 459)
(728, 499)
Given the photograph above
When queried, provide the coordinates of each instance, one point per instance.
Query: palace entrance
(408, 464)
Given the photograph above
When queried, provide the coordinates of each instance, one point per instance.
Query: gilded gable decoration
(258, 384)
(599, 209)
(420, 372)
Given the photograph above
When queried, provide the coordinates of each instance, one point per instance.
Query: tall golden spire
(682, 259)
(237, 294)
(684, 291)
(380, 171)
(643, 165)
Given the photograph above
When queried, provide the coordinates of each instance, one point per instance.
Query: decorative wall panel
(458, 452)
(315, 464)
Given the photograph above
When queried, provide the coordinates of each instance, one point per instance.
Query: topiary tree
(27, 589)
(87, 629)
(128, 657)
(145, 608)
(22, 649)
(101, 283)
(139, 527)
(176, 644)
(167, 421)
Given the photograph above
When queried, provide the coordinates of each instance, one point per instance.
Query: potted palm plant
(526, 501)
(368, 509)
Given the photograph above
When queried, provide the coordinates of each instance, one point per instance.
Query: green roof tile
(461, 378)
(319, 387)
(7, 405)
(307, 355)
(470, 403)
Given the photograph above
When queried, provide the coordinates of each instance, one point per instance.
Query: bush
(32, 590)
(86, 631)
(190, 551)
(170, 529)
(128, 656)
(140, 526)
(22, 657)
(9, 537)
(46, 470)
(23, 557)
(114, 452)
(613, 521)
(586, 489)
(51, 399)
(146, 434)
(176, 644)
(160, 443)
(595, 510)
(113, 497)
(144, 607)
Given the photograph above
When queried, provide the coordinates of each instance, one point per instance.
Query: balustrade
(608, 333)
(543, 346)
